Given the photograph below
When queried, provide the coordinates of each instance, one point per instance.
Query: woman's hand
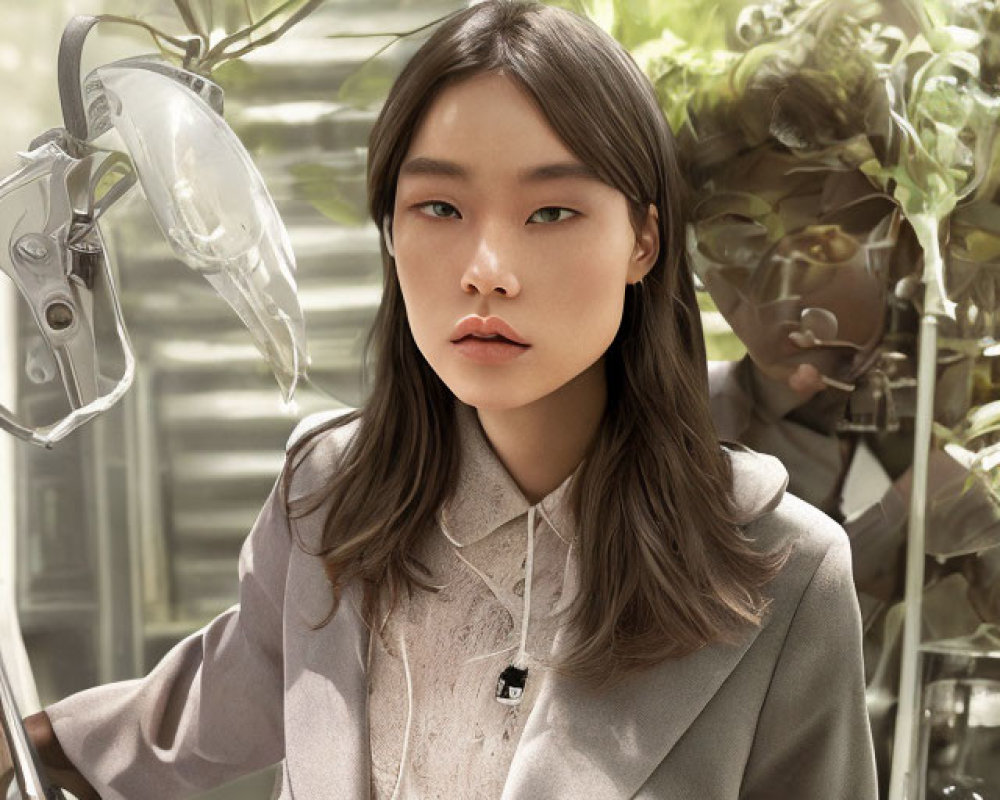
(6, 766)
(806, 381)
(58, 767)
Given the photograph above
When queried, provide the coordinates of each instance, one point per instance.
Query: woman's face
(481, 239)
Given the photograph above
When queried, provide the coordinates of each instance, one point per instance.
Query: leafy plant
(215, 33)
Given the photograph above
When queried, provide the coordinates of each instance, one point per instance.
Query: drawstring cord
(409, 718)
(504, 693)
(545, 516)
(521, 659)
(511, 682)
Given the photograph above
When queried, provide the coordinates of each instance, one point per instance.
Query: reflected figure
(828, 387)
(835, 141)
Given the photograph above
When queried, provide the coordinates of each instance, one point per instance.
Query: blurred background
(124, 538)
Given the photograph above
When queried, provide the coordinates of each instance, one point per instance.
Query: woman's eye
(546, 213)
(549, 217)
(439, 204)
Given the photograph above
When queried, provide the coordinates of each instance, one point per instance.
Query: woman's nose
(488, 284)
(486, 275)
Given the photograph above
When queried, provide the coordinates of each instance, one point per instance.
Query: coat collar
(759, 482)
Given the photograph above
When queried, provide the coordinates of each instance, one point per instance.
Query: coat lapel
(579, 743)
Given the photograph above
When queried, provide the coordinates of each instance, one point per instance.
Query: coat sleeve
(813, 737)
(211, 710)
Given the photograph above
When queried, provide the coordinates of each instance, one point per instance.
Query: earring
(387, 235)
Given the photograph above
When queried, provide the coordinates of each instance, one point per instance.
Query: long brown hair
(663, 566)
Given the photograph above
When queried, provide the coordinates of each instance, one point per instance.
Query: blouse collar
(486, 497)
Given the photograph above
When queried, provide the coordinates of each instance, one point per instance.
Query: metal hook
(70, 90)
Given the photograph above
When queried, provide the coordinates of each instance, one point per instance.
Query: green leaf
(319, 185)
(953, 39)
(236, 76)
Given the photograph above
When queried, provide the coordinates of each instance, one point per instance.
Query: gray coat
(780, 714)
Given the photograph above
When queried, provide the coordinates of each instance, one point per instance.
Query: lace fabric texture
(437, 730)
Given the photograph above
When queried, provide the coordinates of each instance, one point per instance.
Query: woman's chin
(484, 400)
(498, 394)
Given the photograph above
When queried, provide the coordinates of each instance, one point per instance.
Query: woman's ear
(647, 246)
(387, 234)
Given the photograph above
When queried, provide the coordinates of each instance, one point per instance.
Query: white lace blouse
(436, 727)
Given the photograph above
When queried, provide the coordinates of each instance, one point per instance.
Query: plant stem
(154, 32)
(184, 9)
(927, 228)
(218, 50)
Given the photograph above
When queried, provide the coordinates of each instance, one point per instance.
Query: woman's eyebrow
(422, 165)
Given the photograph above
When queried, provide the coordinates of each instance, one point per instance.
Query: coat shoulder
(316, 448)
(807, 534)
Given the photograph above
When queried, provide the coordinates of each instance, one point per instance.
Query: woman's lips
(489, 351)
(486, 327)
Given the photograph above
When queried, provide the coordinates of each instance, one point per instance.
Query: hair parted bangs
(663, 567)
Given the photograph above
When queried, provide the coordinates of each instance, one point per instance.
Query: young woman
(526, 568)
